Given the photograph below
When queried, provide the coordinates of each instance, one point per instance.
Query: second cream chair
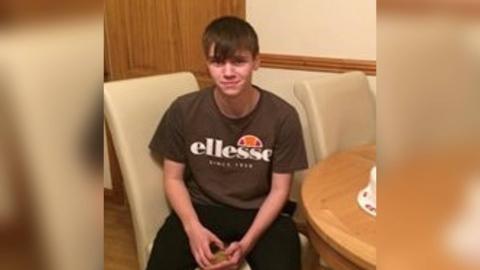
(340, 112)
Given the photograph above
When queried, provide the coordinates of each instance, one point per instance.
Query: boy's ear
(256, 62)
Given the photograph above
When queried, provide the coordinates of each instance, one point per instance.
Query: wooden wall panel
(115, 40)
(192, 23)
(141, 37)
(146, 37)
(151, 36)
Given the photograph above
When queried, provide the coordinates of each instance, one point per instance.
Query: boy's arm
(199, 237)
(269, 211)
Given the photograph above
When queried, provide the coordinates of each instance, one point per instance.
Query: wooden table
(340, 231)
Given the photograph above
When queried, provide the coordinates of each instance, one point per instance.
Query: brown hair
(229, 34)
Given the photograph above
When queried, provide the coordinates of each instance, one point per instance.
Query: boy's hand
(200, 241)
(227, 259)
(236, 254)
(219, 257)
(220, 262)
(232, 258)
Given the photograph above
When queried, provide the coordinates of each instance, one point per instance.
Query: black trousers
(277, 249)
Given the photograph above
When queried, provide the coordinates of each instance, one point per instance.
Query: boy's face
(234, 75)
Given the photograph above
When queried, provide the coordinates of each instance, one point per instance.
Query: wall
(338, 29)
(341, 28)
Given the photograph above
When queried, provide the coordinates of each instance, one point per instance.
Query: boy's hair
(229, 34)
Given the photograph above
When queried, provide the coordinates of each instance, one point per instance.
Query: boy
(229, 154)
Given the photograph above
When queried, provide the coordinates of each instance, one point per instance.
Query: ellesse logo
(248, 147)
(250, 141)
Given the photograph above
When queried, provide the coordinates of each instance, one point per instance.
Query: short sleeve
(289, 150)
(168, 139)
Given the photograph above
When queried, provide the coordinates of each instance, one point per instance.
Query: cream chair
(133, 109)
(340, 112)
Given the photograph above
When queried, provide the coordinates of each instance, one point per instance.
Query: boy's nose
(228, 70)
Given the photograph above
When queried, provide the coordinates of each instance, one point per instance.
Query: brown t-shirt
(230, 161)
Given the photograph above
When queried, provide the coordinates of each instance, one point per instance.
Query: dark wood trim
(108, 194)
(322, 64)
(117, 193)
(464, 8)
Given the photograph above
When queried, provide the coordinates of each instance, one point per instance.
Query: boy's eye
(215, 60)
(233, 61)
(238, 61)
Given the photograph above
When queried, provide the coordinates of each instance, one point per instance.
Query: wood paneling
(141, 37)
(115, 40)
(321, 64)
(146, 37)
(192, 23)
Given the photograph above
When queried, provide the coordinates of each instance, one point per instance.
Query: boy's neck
(238, 106)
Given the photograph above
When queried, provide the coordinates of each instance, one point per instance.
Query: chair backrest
(133, 109)
(340, 112)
